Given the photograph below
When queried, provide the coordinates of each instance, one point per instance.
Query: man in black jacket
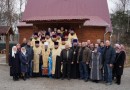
(66, 60)
(108, 60)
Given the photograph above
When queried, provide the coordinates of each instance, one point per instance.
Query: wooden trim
(8, 30)
(56, 21)
(7, 48)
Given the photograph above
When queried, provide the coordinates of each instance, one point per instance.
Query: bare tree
(7, 12)
(120, 18)
(2, 10)
(122, 5)
(22, 4)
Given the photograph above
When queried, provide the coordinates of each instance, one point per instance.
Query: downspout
(111, 36)
(105, 35)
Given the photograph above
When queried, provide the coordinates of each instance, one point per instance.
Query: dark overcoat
(75, 65)
(14, 63)
(119, 63)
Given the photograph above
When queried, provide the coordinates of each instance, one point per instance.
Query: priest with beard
(59, 37)
(48, 39)
(42, 41)
(35, 38)
(45, 56)
(75, 65)
(53, 40)
(36, 60)
(62, 44)
(72, 35)
(56, 60)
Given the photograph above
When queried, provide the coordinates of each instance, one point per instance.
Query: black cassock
(14, 64)
(75, 65)
(58, 68)
(19, 63)
(40, 65)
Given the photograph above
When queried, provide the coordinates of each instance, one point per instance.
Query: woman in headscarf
(24, 62)
(119, 63)
(14, 63)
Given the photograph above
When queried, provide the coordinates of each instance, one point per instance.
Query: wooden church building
(89, 18)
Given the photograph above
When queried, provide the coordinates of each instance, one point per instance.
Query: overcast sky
(111, 5)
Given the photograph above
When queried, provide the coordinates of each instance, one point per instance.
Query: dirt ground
(128, 56)
(6, 83)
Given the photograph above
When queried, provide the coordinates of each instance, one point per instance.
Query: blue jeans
(108, 73)
(83, 70)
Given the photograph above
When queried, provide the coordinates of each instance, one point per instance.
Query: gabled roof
(6, 30)
(54, 18)
(40, 10)
(96, 21)
(24, 24)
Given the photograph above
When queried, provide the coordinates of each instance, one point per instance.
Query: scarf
(14, 52)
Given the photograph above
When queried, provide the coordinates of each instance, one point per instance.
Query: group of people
(58, 54)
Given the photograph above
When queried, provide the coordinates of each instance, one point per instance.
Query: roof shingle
(66, 9)
(5, 30)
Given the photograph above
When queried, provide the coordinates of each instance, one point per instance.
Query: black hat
(54, 36)
(56, 43)
(66, 34)
(63, 39)
(36, 34)
(36, 42)
(58, 34)
(75, 40)
(42, 38)
(47, 34)
(72, 29)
